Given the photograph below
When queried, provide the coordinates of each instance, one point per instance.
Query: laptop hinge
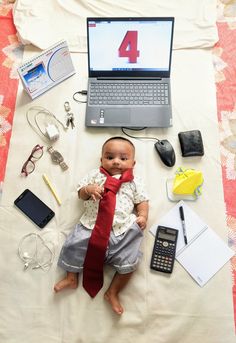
(129, 78)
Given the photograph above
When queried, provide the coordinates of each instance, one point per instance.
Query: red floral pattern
(11, 51)
(224, 56)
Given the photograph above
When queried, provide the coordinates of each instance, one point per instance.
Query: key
(67, 122)
(72, 122)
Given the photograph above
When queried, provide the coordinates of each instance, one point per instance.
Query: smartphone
(34, 208)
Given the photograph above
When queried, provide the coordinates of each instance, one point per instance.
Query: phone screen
(34, 208)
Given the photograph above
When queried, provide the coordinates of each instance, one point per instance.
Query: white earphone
(34, 260)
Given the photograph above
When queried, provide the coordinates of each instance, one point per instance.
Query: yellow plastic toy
(187, 182)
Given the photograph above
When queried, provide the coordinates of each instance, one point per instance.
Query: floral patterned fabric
(11, 51)
(224, 57)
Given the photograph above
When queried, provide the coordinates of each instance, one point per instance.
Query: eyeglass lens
(37, 152)
(29, 165)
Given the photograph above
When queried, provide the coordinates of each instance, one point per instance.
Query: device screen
(165, 233)
(34, 208)
(130, 45)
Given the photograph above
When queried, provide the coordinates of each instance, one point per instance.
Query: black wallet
(191, 143)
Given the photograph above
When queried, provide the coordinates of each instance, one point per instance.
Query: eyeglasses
(29, 165)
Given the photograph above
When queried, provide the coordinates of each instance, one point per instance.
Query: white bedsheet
(43, 22)
(158, 308)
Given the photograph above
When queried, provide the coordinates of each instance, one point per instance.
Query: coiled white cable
(40, 248)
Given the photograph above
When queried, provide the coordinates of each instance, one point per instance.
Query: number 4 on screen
(128, 47)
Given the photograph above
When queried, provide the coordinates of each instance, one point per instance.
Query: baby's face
(117, 156)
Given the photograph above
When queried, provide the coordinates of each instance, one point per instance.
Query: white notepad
(47, 69)
(205, 254)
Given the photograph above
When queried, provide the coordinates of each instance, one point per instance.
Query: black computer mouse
(166, 152)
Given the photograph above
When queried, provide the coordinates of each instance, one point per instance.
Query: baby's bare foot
(67, 282)
(113, 299)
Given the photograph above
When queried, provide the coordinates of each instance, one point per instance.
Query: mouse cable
(137, 137)
(75, 96)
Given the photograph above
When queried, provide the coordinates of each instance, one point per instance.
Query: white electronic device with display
(47, 69)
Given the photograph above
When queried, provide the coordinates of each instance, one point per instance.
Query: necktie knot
(112, 184)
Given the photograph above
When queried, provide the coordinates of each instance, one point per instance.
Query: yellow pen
(48, 183)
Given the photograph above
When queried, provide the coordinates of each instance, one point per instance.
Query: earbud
(36, 267)
(26, 254)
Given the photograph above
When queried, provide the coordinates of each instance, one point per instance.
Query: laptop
(129, 62)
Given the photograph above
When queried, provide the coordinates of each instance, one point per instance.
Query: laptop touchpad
(117, 116)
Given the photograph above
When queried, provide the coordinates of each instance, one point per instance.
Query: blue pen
(181, 212)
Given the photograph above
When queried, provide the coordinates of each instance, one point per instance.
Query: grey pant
(123, 252)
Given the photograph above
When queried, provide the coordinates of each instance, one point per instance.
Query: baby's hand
(94, 191)
(141, 221)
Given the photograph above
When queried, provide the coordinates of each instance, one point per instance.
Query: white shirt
(129, 194)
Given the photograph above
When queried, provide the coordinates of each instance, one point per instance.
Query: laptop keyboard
(129, 93)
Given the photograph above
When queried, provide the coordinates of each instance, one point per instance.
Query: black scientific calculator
(163, 254)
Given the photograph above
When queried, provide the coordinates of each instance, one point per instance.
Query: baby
(130, 218)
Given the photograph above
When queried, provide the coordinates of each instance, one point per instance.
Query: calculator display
(166, 236)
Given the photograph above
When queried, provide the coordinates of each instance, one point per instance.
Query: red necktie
(98, 242)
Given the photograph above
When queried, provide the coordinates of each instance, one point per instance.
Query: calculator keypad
(163, 255)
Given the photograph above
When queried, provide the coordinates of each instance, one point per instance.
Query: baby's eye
(124, 158)
(109, 157)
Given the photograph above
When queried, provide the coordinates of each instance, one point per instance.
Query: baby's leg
(70, 281)
(118, 282)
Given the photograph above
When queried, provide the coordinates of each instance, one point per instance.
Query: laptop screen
(130, 46)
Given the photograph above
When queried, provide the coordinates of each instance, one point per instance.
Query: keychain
(69, 115)
(70, 120)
